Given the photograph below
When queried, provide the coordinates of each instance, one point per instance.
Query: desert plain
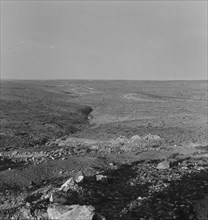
(141, 148)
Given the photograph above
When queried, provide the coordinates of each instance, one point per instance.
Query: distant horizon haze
(104, 40)
(85, 79)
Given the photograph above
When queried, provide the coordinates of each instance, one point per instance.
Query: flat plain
(177, 110)
(95, 123)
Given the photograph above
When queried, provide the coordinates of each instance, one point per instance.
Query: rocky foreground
(141, 179)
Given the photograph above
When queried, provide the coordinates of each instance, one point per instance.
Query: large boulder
(73, 212)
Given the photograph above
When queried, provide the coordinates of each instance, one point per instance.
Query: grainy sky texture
(142, 40)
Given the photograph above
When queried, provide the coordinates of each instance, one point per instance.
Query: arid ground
(122, 129)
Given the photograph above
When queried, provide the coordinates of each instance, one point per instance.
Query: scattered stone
(163, 165)
(79, 177)
(113, 166)
(94, 147)
(31, 185)
(133, 205)
(14, 153)
(24, 213)
(124, 211)
(101, 178)
(136, 137)
(69, 184)
(151, 137)
(40, 214)
(60, 212)
(168, 193)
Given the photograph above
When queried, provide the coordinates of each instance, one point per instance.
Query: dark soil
(31, 115)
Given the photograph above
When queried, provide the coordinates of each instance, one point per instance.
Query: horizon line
(48, 79)
(61, 79)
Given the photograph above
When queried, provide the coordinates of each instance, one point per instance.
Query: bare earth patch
(141, 98)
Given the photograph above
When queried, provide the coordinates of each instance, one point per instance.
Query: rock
(79, 177)
(40, 214)
(163, 165)
(94, 147)
(24, 213)
(73, 212)
(31, 185)
(124, 211)
(98, 217)
(58, 197)
(151, 137)
(33, 159)
(135, 137)
(101, 178)
(40, 194)
(133, 205)
(14, 153)
(201, 208)
(32, 198)
(113, 166)
(27, 204)
(69, 184)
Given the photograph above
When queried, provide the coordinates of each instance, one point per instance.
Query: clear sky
(142, 40)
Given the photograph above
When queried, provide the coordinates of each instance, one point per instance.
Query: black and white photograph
(104, 110)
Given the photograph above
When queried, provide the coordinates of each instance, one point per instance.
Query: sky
(134, 40)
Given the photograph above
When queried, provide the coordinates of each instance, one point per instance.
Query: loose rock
(163, 165)
(101, 178)
(79, 177)
(69, 184)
